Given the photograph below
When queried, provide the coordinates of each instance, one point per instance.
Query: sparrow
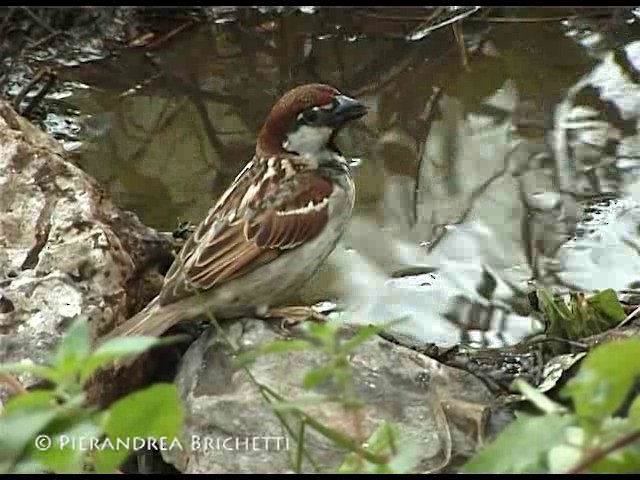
(273, 227)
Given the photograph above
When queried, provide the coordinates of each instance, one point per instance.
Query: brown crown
(286, 110)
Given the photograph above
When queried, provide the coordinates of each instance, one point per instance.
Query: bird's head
(305, 121)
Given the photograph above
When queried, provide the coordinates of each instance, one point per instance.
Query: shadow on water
(460, 173)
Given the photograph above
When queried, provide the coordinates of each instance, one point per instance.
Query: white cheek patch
(308, 140)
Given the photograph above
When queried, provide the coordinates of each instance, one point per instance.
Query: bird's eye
(311, 115)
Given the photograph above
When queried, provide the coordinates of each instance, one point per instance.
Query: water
(461, 156)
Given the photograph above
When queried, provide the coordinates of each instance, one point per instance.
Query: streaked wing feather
(227, 246)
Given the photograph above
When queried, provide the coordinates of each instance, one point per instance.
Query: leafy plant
(580, 316)
(53, 429)
(383, 451)
(596, 435)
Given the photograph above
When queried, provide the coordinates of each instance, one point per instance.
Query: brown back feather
(224, 247)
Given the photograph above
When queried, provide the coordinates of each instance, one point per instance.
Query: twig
(43, 91)
(5, 22)
(548, 339)
(539, 19)
(38, 20)
(629, 317)
(44, 39)
(27, 88)
(423, 30)
(599, 453)
(171, 34)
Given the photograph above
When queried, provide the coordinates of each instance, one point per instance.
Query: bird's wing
(271, 207)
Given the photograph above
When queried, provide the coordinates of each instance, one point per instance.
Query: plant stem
(300, 448)
(598, 454)
(336, 437)
(263, 392)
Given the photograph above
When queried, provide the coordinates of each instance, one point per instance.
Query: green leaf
(40, 371)
(70, 447)
(554, 310)
(38, 399)
(341, 440)
(74, 349)
(299, 403)
(538, 398)
(324, 332)
(19, 430)
(155, 412)
(28, 466)
(582, 316)
(117, 348)
(316, 376)
(275, 347)
(562, 457)
(363, 334)
(634, 412)
(607, 304)
(385, 440)
(604, 379)
(521, 446)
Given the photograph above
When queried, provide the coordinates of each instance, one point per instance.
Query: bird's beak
(347, 109)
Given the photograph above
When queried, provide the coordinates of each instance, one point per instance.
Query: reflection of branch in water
(131, 127)
(39, 20)
(457, 31)
(193, 92)
(475, 194)
(481, 317)
(560, 282)
(260, 43)
(383, 74)
(164, 119)
(209, 129)
(428, 121)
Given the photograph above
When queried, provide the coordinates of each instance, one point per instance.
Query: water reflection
(460, 167)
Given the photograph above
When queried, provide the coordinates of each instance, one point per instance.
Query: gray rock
(439, 409)
(65, 250)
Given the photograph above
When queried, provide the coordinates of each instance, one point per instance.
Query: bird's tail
(153, 320)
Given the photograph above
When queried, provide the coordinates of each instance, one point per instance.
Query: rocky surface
(441, 409)
(65, 250)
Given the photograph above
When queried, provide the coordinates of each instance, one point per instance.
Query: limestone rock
(229, 428)
(65, 250)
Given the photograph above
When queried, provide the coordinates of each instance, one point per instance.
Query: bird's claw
(293, 316)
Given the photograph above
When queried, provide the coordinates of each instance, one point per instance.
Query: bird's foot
(292, 316)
